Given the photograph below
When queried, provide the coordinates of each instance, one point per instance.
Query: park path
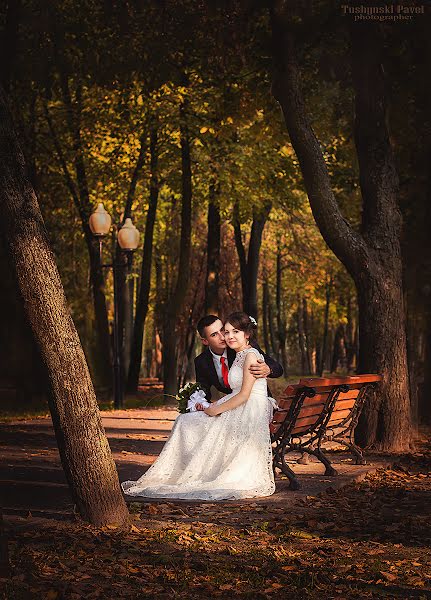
(32, 480)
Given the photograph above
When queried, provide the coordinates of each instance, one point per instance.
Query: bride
(223, 452)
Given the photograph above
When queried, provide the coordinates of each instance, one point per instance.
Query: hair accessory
(253, 320)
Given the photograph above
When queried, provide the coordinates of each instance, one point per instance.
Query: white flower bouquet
(190, 395)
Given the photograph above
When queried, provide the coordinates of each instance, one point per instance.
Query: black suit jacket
(206, 373)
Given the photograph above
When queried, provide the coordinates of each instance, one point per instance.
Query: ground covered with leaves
(367, 540)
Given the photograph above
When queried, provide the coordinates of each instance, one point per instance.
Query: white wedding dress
(227, 457)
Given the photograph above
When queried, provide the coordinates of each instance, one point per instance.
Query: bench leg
(357, 453)
(280, 462)
(294, 483)
(317, 452)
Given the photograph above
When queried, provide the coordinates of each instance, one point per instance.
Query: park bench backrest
(318, 401)
(308, 409)
(345, 402)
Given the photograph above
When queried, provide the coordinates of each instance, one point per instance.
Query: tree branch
(348, 245)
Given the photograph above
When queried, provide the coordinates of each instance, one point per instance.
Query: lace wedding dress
(227, 457)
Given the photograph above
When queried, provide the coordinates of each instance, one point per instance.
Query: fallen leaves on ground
(366, 540)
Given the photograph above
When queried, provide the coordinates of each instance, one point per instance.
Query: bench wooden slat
(318, 381)
(308, 411)
(318, 399)
(340, 415)
(351, 394)
(300, 423)
(344, 404)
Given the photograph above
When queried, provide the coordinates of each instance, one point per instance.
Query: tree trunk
(305, 369)
(281, 324)
(307, 335)
(325, 327)
(272, 334)
(213, 253)
(249, 267)
(242, 257)
(176, 301)
(373, 258)
(351, 337)
(259, 219)
(84, 450)
(145, 281)
(339, 355)
(265, 308)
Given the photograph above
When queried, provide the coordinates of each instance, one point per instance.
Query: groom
(212, 366)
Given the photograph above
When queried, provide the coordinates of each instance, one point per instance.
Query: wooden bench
(316, 410)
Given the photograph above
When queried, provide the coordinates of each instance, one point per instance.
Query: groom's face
(214, 337)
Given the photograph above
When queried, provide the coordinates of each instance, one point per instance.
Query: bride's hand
(211, 411)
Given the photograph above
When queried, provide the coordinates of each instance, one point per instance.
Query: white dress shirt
(217, 364)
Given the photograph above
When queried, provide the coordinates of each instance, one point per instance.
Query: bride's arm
(247, 383)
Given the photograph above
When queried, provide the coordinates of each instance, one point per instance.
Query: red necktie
(224, 371)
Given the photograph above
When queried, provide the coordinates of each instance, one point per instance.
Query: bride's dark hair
(241, 321)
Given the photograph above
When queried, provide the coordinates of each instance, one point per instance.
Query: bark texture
(84, 449)
(373, 258)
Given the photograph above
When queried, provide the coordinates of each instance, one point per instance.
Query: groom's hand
(260, 369)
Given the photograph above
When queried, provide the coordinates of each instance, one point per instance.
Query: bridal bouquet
(190, 395)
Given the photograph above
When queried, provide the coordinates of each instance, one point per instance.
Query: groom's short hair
(206, 321)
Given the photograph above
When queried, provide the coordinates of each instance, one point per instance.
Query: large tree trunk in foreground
(373, 258)
(84, 449)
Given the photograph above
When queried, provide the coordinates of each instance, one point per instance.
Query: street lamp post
(127, 241)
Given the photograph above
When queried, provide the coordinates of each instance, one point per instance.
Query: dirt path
(336, 538)
(32, 480)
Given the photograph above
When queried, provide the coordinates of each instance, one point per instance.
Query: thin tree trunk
(272, 334)
(241, 256)
(249, 264)
(307, 334)
(259, 219)
(281, 324)
(373, 258)
(351, 337)
(213, 253)
(145, 280)
(175, 304)
(325, 326)
(302, 338)
(339, 358)
(265, 308)
(84, 450)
